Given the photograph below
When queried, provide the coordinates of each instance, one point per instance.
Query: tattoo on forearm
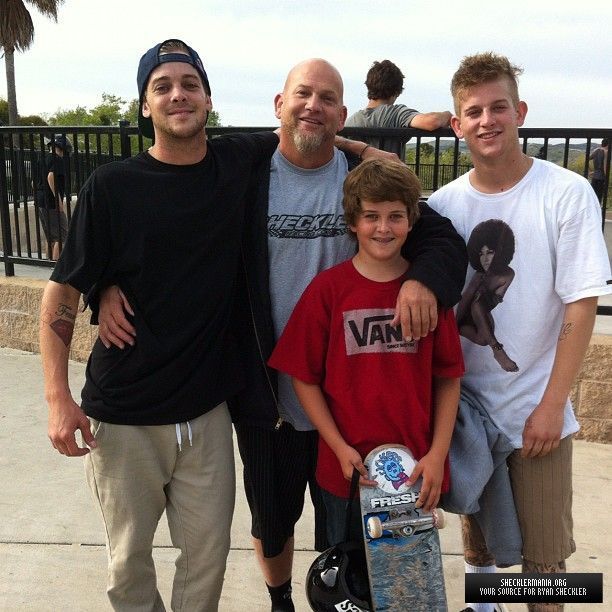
(61, 322)
(566, 330)
(63, 310)
(63, 329)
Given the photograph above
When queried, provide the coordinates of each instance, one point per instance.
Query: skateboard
(401, 542)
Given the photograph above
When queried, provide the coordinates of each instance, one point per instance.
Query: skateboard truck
(404, 526)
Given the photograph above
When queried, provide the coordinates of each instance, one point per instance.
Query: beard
(306, 143)
(184, 131)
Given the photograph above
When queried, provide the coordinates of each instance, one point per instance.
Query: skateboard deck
(401, 542)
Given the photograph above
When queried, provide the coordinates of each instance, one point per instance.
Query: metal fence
(436, 157)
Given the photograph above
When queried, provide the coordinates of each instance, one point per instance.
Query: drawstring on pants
(179, 435)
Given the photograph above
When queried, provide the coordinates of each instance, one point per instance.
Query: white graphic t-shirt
(532, 249)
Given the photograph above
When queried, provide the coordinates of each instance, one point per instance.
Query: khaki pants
(542, 491)
(137, 472)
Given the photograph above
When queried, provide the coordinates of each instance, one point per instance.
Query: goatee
(307, 143)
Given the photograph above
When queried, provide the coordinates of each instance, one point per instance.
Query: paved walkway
(52, 543)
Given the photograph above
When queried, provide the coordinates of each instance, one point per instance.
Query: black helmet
(61, 141)
(339, 576)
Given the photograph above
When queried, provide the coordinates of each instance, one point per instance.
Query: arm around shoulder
(438, 262)
(358, 151)
(437, 255)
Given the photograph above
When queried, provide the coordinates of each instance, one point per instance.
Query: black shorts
(54, 224)
(278, 465)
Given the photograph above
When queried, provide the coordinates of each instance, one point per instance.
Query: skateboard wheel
(439, 518)
(408, 530)
(374, 527)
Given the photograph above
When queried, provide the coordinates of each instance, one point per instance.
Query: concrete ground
(52, 543)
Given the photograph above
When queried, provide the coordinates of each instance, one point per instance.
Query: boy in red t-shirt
(360, 383)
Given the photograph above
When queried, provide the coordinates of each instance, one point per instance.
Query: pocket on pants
(96, 428)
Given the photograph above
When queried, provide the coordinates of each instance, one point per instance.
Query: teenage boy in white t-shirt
(538, 249)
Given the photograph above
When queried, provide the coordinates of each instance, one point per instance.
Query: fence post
(126, 145)
(604, 195)
(7, 243)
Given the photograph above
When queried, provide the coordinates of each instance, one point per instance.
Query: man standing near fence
(385, 83)
(541, 265)
(159, 429)
(599, 157)
(51, 191)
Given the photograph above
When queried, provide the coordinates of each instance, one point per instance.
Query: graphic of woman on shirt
(490, 250)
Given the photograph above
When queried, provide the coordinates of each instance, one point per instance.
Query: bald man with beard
(298, 199)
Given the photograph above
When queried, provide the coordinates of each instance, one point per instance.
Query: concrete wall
(20, 303)
(19, 312)
(592, 393)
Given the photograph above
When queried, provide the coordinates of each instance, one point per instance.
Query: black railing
(436, 157)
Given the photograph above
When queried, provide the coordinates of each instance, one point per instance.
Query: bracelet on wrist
(363, 151)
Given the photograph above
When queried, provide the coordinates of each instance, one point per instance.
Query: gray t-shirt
(306, 234)
(385, 116)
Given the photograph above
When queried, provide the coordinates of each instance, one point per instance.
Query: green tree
(448, 157)
(131, 114)
(4, 116)
(32, 120)
(109, 112)
(17, 34)
(576, 163)
(28, 120)
(427, 152)
(214, 119)
(76, 116)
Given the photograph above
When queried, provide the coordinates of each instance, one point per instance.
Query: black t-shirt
(44, 196)
(170, 237)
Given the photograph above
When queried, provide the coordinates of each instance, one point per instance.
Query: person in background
(598, 176)
(549, 217)
(385, 83)
(52, 190)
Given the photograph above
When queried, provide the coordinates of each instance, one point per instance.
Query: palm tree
(17, 34)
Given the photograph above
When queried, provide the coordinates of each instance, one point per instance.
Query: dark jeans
(336, 519)
(598, 187)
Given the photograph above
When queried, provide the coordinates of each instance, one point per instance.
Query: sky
(248, 47)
